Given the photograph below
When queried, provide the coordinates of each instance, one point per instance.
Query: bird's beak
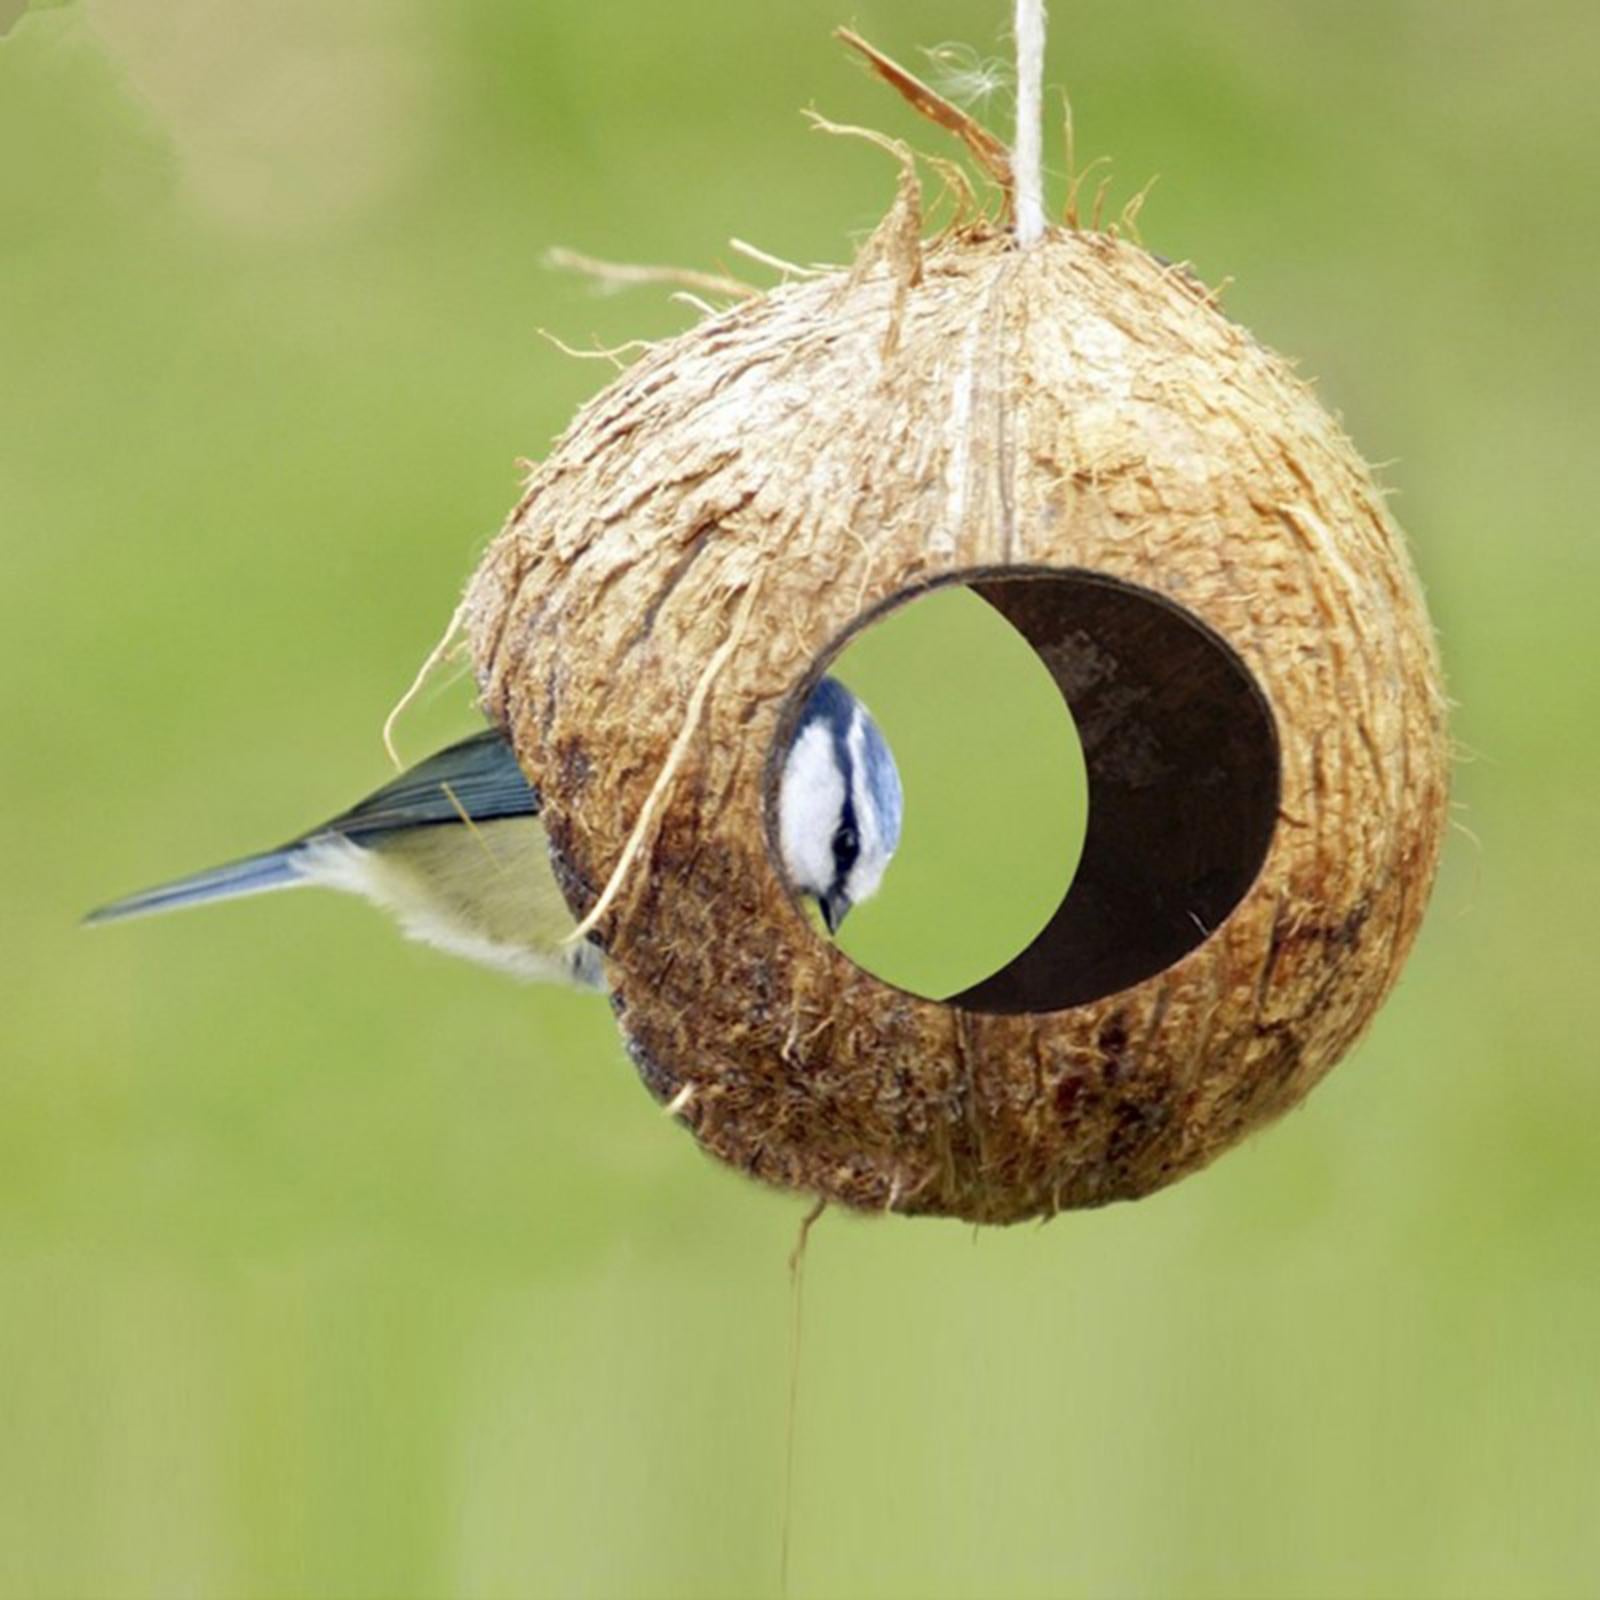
(833, 908)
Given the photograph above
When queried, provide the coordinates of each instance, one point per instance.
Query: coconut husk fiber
(1205, 565)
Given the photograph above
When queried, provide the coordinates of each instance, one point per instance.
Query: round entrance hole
(995, 792)
(1179, 762)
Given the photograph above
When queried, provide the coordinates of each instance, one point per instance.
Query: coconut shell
(1203, 562)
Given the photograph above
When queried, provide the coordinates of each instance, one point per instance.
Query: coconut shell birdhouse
(1077, 432)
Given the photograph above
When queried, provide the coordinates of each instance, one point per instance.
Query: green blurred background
(331, 1267)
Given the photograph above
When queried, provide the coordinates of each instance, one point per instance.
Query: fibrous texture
(715, 523)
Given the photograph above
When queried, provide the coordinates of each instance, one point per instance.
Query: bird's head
(839, 803)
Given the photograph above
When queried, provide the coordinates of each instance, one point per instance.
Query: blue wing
(476, 780)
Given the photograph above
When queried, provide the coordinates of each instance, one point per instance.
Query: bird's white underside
(486, 893)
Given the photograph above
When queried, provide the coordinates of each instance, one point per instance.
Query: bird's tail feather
(272, 869)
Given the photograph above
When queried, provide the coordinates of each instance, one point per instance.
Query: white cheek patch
(865, 878)
(810, 799)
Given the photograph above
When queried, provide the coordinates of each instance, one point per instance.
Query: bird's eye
(846, 843)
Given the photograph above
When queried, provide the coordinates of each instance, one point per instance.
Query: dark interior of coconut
(1182, 761)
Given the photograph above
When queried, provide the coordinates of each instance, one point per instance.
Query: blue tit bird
(454, 849)
(839, 803)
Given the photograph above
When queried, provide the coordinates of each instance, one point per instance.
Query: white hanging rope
(1028, 155)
